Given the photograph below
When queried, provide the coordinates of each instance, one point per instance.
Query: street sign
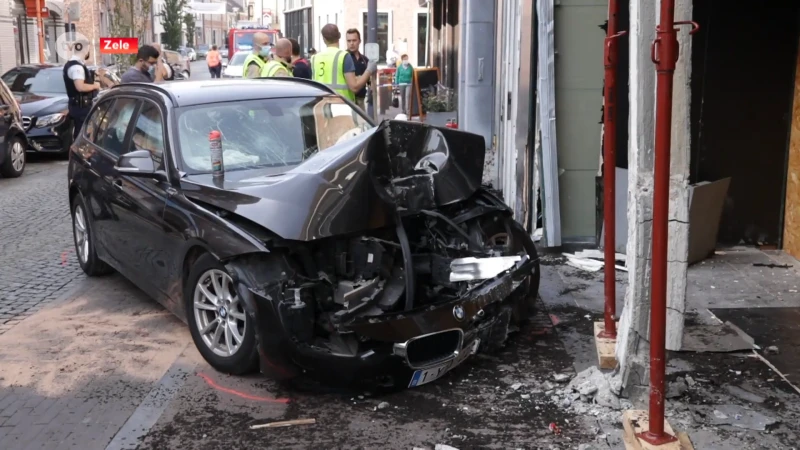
(373, 51)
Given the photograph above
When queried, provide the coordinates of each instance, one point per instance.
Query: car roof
(190, 93)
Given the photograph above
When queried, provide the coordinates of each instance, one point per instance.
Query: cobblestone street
(35, 240)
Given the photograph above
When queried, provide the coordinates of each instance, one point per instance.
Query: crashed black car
(330, 246)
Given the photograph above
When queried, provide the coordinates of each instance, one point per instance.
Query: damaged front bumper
(401, 348)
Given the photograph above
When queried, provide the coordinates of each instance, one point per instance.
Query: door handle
(117, 184)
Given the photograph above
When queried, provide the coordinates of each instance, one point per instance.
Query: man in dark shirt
(361, 62)
(300, 67)
(144, 69)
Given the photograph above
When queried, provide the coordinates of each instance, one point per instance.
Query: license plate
(425, 376)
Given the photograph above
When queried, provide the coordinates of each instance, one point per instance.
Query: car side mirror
(138, 163)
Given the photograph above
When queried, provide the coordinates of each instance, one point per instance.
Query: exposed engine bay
(427, 268)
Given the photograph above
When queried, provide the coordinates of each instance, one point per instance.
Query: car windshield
(244, 41)
(280, 132)
(47, 81)
(238, 59)
(202, 47)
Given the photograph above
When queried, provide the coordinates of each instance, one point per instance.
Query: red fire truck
(241, 37)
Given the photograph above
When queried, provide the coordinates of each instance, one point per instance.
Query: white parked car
(234, 67)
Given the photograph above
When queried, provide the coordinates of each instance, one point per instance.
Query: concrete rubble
(593, 386)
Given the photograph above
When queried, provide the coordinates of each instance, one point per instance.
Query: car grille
(433, 348)
(26, 122)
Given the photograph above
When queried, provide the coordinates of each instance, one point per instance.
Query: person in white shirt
(80, 85)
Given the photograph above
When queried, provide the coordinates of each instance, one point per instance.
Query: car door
(100, 157)
(84, 176)
(141, 202)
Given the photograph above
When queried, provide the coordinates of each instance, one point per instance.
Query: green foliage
(172, 17)
(131, 18)
(439, 100)
(188, 19)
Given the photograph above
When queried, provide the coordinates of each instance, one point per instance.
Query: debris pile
(592, 386)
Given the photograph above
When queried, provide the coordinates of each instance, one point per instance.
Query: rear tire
(221, 329)
(83, 236)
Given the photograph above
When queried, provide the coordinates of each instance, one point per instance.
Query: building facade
(402, 25)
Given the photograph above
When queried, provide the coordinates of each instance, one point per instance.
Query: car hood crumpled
(355, 185)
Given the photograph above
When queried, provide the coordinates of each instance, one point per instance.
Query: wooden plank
(686, 443)
(635, 422)
(286, 423)
(791, 226)
(606, 348)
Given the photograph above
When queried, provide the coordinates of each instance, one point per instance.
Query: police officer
(336, 68)
(80, 84)
(279, 65)
(255, 61)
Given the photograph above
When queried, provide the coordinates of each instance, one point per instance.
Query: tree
(172, 17)
(130, 19)
(191, 25)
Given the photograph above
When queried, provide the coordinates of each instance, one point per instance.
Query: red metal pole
(664, 53)
(609, 169)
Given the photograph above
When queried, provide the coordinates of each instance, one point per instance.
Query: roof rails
(316, 84)
(151, 86)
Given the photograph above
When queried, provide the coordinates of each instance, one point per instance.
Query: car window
(281, 132)
(238, 59)
(45, 81)
(148, 133)
(111, 133)
(94, 121)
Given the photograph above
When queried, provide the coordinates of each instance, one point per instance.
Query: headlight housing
(50, 120)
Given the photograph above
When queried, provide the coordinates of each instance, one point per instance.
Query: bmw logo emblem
(458, 313)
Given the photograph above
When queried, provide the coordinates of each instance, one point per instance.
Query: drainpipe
(664, 53)
(609, 168)
(40, 24)
(477, 57)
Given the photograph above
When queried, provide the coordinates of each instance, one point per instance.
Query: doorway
(743, 72)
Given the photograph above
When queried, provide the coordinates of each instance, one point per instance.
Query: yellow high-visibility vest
(327, 68)
(272, 67)
(252, 58)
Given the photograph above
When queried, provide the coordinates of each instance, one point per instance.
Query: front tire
(83, 237)
(15, 160)
(221, 329)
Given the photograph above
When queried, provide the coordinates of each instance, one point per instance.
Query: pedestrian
(80, 85)
(402, 79)
(256, 60)
(311, 51)
(279, 65)
(214, 61)
(144, 70)
(353, 44)
(335, 67)
(300, 66)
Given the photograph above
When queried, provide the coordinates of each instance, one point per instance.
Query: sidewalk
(721, 399)
(73, 373)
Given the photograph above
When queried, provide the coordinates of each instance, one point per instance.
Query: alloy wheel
(17, 156)
(81, 234)
(219, 314)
